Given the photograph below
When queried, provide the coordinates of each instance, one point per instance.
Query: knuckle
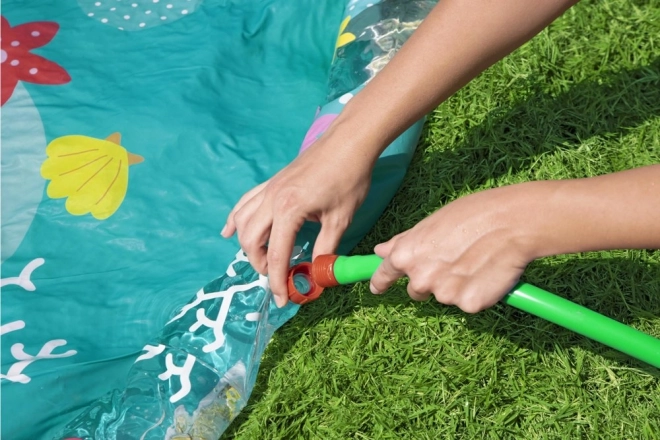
(244, 198)
(276, 257)
(471, 300)
(419, 285)
(399, 259)
(249, 246)
(249, 243)
(471, 307)
(340, 223)
(240, 218)
(444, 296)
(286, 200)
(417, 297)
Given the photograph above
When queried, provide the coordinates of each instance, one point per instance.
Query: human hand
(327, 183)
(470, 253)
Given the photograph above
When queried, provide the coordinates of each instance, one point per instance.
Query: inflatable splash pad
(130, 128)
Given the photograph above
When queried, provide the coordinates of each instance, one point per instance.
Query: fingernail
(373, 289)
(280, 302)
(224, 229)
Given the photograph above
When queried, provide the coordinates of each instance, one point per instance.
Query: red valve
(307, 280)
(301, 285)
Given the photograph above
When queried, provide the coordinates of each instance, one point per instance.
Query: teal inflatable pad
(130, 128)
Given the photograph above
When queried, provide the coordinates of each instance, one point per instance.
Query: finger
(230, 224)
(449, 290)
(383, 249)
(329, 238)
(253, 222)
(384, 277)
(280, 247)
(482, 293)
(416, 293)
(253, 238)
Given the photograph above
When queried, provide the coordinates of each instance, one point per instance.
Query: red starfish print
(18, 64)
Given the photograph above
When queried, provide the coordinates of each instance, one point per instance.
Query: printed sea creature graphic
(19, 64)
(138, 15)
(91, 173)
(344, 37)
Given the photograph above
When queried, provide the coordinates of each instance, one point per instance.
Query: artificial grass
(581, 99)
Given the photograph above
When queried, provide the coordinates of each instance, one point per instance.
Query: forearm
(615, 211)
(458, 40)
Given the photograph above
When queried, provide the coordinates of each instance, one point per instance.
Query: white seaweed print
(15, 372)
(217, 324)
(183, 372)
(24, 278)
(151, 352)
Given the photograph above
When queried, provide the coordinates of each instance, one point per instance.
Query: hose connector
(306, 281)
(323, 270)
(301, 285)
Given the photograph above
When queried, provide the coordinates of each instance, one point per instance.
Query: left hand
(326, 184)
(469, 254)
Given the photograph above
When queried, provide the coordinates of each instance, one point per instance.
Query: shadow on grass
(512, 140)
(507, 142)
(625, 290)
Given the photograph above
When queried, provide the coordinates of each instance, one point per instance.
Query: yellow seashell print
(344, 37)
(91, 173)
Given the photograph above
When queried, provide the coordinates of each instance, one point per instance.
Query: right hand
(327, 183)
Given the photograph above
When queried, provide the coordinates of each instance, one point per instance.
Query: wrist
(357, 136)
(555, 217)
(531, 212)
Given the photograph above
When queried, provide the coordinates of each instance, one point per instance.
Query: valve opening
(302, 288)
(302, 283)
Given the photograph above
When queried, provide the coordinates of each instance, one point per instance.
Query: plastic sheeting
(129, 130)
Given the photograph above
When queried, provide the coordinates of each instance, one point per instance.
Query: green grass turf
(581, 99)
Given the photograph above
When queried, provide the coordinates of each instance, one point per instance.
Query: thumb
(327, 240)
